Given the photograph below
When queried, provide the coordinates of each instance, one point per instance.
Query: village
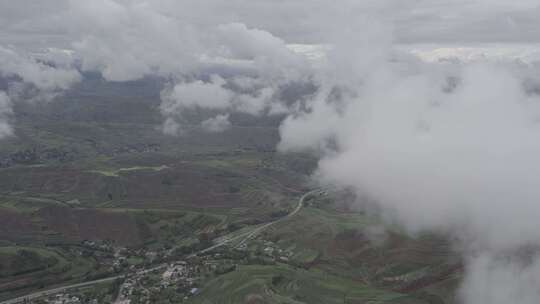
(147, 276)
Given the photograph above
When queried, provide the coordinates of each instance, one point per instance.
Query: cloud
(31, 78)
(211, 95)
(256, 102)
(32, 23)
(501, 280)
(457, 158)
(465, 158)
(149, 42)
(240, 94)
(445, 147)
(184, 50)
(219, 123)
(452, 141)
(171, 127)
(525, 53)
(161, 39)
(44, 77)
(310, 130)
(5, 113)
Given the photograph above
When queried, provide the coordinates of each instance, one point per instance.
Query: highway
(243, 237)
(49, 292)
(299, 206)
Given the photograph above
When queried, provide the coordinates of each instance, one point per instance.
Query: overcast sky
(32, 23)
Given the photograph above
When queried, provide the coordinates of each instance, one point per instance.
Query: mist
(449, 147)
(6, 110)
(29, 78)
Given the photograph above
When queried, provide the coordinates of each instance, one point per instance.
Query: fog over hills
(427, 112)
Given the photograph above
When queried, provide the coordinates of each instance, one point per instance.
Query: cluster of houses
(271, 250)
(66, 298)
(182, 276)
(176, 272)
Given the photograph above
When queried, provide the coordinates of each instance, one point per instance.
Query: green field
(84, 170)
(26, 268)
(333, 259)
(285, 284)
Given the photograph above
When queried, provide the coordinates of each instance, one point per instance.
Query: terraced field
(35, 267)
(154, 206)
(341, 257)
(284, 284)
(81, 168)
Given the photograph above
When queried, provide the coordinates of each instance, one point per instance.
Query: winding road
(243, 237)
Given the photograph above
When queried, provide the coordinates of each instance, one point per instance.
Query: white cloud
(241, 94)
(5, 113)
(210, 95)
(161, 38)
(31, 78)
(44, 77)
(439, 146)
(171, 127)
(254, 104)
(526, 53)
(219, 123)
(501, 280)
(310, 130)
(439, 160)
(296, 21)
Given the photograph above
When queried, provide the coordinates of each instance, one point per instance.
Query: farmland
(94, 193)
(323, 255)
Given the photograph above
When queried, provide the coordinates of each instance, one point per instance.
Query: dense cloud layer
(39, 23)
(446, 147)
(133, 39)
(464, 157)
(501, 280)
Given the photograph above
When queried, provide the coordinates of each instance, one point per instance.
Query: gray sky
(33, 23)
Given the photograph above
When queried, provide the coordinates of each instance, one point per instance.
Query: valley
(112, 208)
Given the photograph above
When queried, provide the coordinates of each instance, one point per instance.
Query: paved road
(49, 292)
(57, 290)
(249, 234)
(294, 212)
(244, 237)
